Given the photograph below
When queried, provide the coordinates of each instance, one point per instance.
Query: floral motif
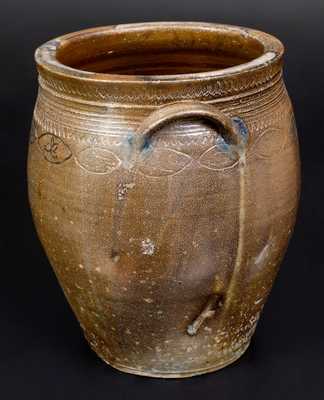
(53, 148)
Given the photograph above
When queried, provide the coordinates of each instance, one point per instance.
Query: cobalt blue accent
(222, 145)
(146, 144)
(130, 139)
(242, 128)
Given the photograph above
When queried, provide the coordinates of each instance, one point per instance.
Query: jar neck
(59, 72)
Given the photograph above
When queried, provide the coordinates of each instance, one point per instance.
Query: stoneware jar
(163, 180)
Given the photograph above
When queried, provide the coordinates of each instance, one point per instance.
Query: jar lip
(46, 54)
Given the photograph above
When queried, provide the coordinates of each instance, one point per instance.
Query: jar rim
(46, 55)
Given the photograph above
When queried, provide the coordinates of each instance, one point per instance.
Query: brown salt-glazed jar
(163, 179)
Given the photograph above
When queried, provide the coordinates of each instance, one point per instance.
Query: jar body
(140, 248)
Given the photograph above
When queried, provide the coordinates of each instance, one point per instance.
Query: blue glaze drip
(130, 139)
(241, 127)
(146, 146)
(222, 145)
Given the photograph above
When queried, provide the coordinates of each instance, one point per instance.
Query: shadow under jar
(163, 179)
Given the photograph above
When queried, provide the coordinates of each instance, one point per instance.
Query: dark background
(42, 352)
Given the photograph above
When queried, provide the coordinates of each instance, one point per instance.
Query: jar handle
(226, 126)
(235, 135)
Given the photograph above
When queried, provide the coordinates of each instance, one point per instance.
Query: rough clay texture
(166, 251)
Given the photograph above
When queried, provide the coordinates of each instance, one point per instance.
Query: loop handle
(187, 109)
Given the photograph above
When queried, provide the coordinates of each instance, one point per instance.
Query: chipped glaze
(163, 177)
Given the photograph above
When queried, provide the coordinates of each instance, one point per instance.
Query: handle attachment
(233, 131)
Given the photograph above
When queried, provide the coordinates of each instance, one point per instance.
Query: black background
(42, 352)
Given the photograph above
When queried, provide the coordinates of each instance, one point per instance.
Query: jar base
(175, 374)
